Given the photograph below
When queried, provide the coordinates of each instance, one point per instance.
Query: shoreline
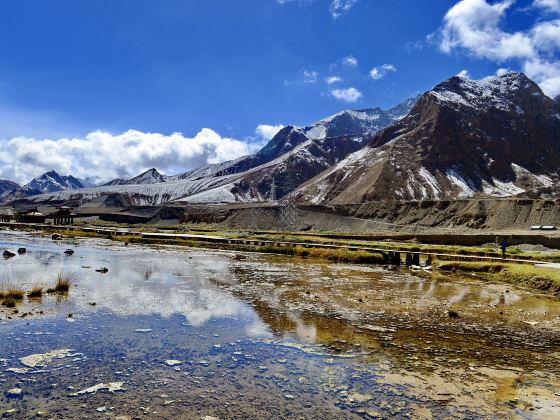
(521, 273)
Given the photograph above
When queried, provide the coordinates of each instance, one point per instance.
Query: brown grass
(63, 282)
(536, 278)
(36, 292)
(472, 267)
(15, 294)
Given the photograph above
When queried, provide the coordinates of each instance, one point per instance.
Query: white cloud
(349, 61)
(333, 79)
(347, 95)
(464, 73)
(339, 7)
(310, 76)
(546, 35)
(380, 72)
(552, 5)
(106, 156)
(502, 71)
(476, 26)
(267, 132)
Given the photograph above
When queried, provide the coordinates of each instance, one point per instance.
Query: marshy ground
(168, 332)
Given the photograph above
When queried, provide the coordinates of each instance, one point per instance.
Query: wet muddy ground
(189, 333)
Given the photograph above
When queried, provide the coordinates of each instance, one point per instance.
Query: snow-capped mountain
(498, 136)
(360, 122)
(51, 182)
(8, 187)
(151, 176)
(294, 155)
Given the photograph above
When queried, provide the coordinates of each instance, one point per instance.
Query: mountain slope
(294, 152)
(151, 176)
(51, 182)
(8, 187)
(497, 137)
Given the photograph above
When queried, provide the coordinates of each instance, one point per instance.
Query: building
(63, 216)
(30, 216)
(6, 215)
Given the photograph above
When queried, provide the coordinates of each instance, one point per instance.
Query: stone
(8, 254)
(14, 393)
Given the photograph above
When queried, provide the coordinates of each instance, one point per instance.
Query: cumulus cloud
(551, 5)
(267, 132)
(339, 7)
(477, 27)
(380, 72)
(350, 95)
(105, 156)
(333, 79)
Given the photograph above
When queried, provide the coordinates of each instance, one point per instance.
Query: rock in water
(8, 254)
(21, 251)
(69, 252)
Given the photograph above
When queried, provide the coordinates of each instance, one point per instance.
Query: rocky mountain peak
(51, 182)
(151, 176)
(505, 93)
(499, 136)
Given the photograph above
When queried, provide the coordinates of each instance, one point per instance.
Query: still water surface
(189, 333)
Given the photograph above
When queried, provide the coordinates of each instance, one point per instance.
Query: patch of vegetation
(524, 275)
(63, 282)
(542, 279)
(9, 302)
(16, 294)
(36, 292)
(471, 267)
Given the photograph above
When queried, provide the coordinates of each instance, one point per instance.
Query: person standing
(503, 246)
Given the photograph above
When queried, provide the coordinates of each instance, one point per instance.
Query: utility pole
(288, 209)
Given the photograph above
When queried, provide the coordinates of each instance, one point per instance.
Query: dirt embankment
(475, 221)
(459, 222)
(488, 214)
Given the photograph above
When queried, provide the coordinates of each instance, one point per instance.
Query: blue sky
(77, 70)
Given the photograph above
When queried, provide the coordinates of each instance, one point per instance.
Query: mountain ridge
(249, 178)
(497, 137)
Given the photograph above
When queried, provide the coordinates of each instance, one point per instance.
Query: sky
(110, 88)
